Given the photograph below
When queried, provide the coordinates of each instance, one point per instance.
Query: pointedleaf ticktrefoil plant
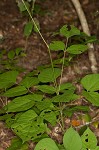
(41, 99)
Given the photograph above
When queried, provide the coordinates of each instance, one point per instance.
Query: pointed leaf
(27, 116)
(7, 79)
(28, 29)
(66, 86)
(45, 104)
(47, 75)
(16, 91)
(69, 33)
(91, 82)
(77, 49)
(49, 116)
(46, 144)
(16, 144)
(92, 97)
(22, 103)
(72, 140)
(66, 97)
(22, 7)
(57, 45)
(89, 139)
(29, 130)
(29, 82)
(46, 89)
(11, 54)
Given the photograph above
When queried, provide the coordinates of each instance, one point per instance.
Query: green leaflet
(49, 116)
(47, 75)
(77, 49)
(27, 116)
(91, 82)
(8, 79)
(70, 110)
(46, 89)
(26, 127)
(22, 7)
(18, 51)
(29, 130)
(66, 97)
(46, 144)
(69, 33)
(11, 54)
(16, 91)
(45, 104)
(23, 103)
(92, 97)
(72, 140)
(89, 139)
(16, 144)
(66, 86)
(28, 29)
(29, 82)
(57, 45)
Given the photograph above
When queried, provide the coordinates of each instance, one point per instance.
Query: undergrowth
(41, 100)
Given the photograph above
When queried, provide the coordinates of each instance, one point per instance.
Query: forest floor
(54, 14)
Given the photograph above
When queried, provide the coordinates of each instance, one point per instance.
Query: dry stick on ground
(85, 28)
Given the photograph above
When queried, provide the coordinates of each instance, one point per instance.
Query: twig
(2, 101)
(85, 28)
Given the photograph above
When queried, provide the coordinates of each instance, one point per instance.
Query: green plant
(30, 110)
(41, 99)
(8, 60)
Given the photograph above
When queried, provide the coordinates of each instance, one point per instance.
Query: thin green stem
(62, 118)
(63, 62)
(55, 83)
(35, 24)
(26, 44)
(32, 9)
(60, 104)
